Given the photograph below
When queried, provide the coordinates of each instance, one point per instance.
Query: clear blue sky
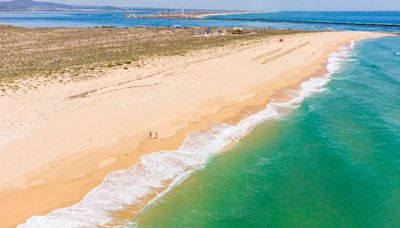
(249, 4)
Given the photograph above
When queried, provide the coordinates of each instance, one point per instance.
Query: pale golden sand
(59, 141)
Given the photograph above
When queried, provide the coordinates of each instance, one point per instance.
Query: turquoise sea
(332, 162)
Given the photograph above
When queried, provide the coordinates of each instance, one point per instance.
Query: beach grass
(83, 52)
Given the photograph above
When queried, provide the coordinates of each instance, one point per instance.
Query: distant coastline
(34, 6)
(30, 5)
(182, 15)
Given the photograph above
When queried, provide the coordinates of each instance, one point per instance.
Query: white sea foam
(352, 44)
(128, 187)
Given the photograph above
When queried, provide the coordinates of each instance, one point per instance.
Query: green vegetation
(27, 52)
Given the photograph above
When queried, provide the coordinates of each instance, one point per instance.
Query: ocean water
(331, 161)
(298, 20)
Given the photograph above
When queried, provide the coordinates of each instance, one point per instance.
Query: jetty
(313, 22)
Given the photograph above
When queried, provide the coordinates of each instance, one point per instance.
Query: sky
(257, 5)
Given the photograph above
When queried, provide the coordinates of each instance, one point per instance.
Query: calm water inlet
(283, 20)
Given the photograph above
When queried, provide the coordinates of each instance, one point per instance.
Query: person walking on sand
(156, 135)
(150, 135)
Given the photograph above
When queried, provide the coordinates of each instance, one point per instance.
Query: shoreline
(232, 113)
(279, 98)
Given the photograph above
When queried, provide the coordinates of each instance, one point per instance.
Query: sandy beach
(59, 141)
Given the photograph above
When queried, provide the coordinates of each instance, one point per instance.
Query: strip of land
(59, 138)
(185, 15)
